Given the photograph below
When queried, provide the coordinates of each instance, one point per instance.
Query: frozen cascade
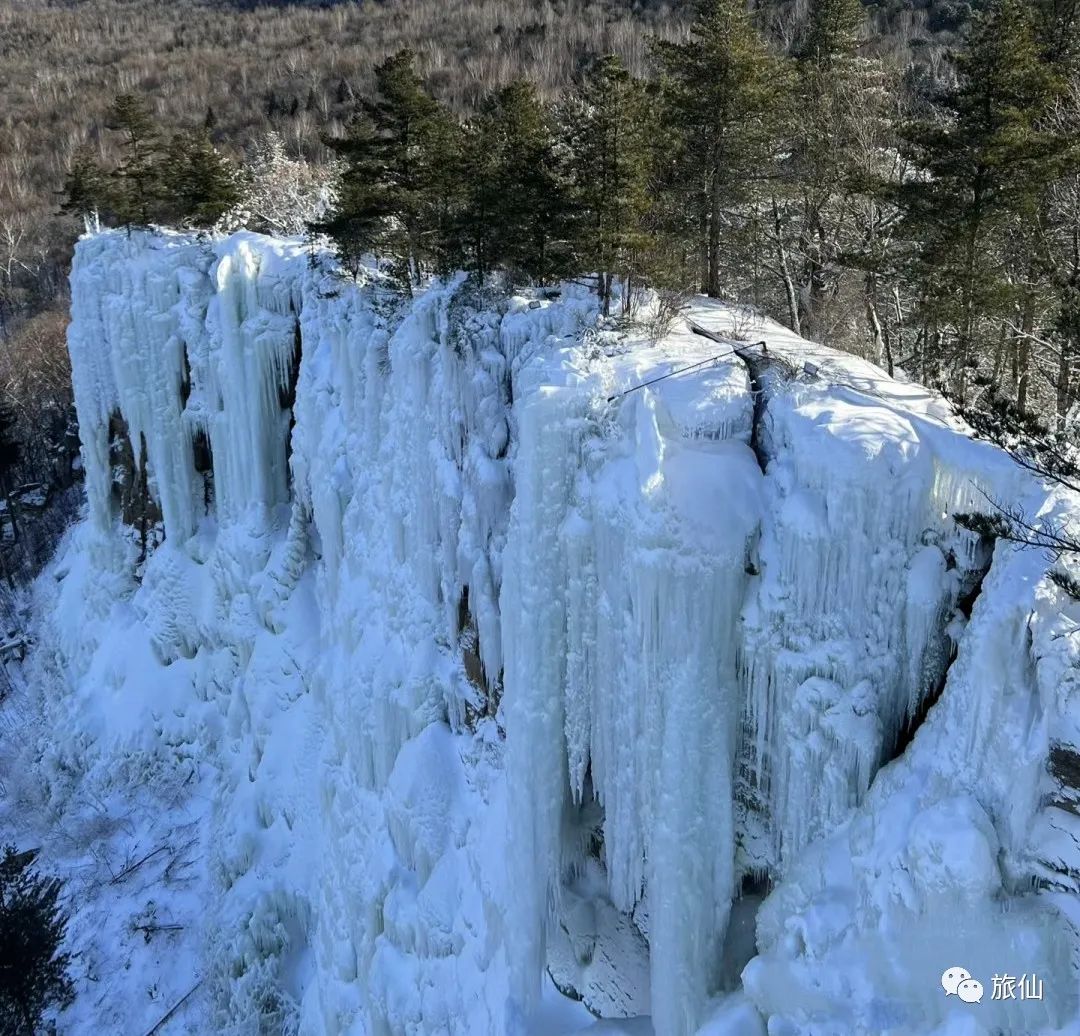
(846, 633)
(464, 660)
(621, 602)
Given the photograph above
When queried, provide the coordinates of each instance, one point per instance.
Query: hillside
(297, 69)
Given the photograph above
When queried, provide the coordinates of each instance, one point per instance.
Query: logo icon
(970, 991)
(951, 979)
(958, 981)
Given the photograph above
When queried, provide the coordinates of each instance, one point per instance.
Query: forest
(898, 180)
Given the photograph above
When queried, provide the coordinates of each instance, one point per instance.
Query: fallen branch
(172, 1010)
(137, 864)
(150, 929)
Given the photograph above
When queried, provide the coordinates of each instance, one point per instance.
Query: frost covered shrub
(33, 971)
(283, 192)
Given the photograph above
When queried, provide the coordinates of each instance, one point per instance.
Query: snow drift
(490, 665)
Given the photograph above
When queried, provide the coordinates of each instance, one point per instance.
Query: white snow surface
(476, 672)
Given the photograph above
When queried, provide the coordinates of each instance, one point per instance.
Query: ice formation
(490, 661)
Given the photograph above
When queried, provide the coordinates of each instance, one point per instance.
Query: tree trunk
(1023, 355)
(785, 272)
(872, 318)
(714, 234)
(1063, 382)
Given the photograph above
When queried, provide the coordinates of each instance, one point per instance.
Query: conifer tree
(722, 90)
(832, 33)
(610, 133)
(33, 971)
(806, 203)
(395, 193)
(983, 167)
(86, 189)
(357, 224)
(136, 184)
(200, 184)
(10, 450)
(518, 212)
(1057, 26)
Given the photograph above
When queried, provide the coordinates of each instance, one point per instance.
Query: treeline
(936, 236)
(184, 181)
(290, 69)
(296, 70)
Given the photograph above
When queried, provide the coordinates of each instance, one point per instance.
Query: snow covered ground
(480, 687)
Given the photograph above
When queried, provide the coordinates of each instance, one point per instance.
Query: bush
(33, 971)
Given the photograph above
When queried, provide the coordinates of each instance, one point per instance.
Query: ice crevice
(510, 665)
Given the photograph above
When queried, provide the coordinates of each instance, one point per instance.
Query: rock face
(508, 663)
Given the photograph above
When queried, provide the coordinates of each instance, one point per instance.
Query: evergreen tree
(398, 183)
(357, 224)
(10, 450)
(610, 132)
(33, 971)
(722, 90)
(86, 188)
(832, 34)
(807, 224)
(1057, 25)
(200, 184)
(136, 184)
(518, 214)
(982, 168)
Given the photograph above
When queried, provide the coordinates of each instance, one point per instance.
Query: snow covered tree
(33, 971)
(281, 193)
(722, 90)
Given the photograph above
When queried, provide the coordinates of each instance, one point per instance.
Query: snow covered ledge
(485, 673)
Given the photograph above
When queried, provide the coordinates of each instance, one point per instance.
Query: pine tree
(1057, 26)
(982, 168)
(722, 90)
(533, 212)
(33, 971)
(10, 450)
(136, 185)
(517, 215)
(200, 184)
(357, 224)
(86, 188)
(832, 34)
(396, 190)
(806, 218)
(610, 133)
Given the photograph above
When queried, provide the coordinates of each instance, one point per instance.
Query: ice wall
(626, 567)
(501, 660)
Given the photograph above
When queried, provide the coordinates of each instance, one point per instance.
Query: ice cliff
(471, 671)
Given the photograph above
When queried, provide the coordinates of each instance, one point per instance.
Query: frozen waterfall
(498, 666)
